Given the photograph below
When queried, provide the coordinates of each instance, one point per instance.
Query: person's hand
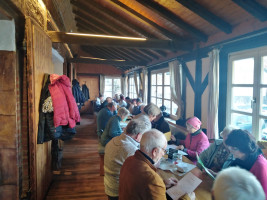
(180, 147)
(170, 182)
(173, 138)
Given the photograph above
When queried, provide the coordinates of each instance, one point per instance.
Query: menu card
(186, 185)
(203, 166)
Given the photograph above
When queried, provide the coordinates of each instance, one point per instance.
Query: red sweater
(195, 144)
(259, 169)
(65, 108)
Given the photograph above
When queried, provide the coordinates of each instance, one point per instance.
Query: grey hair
(227, 130)
(123, 112)
(112, 104)
(152, 139)
(136, 126)
(235, 183)
(151, 109)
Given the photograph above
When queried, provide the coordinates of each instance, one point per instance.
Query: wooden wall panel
(39, 53)
(97, 69)
(8, 129)
(92, 82)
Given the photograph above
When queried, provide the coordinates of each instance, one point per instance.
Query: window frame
(112, 80)
(256, 116)
(163, 85)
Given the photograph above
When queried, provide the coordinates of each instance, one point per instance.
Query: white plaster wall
(57, 62)
(7, 35)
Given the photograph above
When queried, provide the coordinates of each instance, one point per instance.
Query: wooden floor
(79, 175)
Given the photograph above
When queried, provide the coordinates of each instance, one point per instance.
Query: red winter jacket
(65, 108)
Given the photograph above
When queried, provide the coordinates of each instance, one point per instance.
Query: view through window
(132, 89)
(112, 86)
(247, 104)
(161, 90)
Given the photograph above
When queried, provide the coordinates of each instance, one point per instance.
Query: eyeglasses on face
(164, 150)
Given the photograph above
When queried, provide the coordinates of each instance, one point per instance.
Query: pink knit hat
(195, 122)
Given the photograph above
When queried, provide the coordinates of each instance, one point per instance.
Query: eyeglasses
(189, 126)
(164, 150)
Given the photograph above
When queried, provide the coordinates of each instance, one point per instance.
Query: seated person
(98, 102)
(128, 101)
(113, 127)
(138, 176)
(161, 124)
(121, 102)
(105, 103)
(103, 116)
(116, 152)
(150, 111)
(137, 108)
(132, 105)
(217, 156)
(116, 98)
(163, 110)
(248, 155)
(236, 184)
(196, 141)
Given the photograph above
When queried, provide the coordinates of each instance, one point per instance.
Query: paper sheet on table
(185, 167)
(186, 185)
(173, 146)
(203, 166)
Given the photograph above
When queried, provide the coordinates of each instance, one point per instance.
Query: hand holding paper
(203, 166)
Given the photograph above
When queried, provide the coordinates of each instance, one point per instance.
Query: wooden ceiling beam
(151, 23)
(70, 38)
(106, 14)
(89, 27)
(254, 8)
(108, 62)
(207, 15)
(165, 13)
(95, 52)
(134, 54)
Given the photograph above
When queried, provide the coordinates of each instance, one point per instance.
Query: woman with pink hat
(196, 141)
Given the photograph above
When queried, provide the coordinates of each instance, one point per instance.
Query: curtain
(102, 84)
(144, 85)
(212, 121)
(126, 81)
(123, 86)
(176, 86)
(136, 84)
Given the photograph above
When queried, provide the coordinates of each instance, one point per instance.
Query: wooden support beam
(206, 14)
(165, 13)
(151, 23)
(108, 62)
(254, 8)
(70, 38)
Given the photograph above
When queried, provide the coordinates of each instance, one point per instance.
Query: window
(132, 90)
(112, 86)
(247, 102)
(161, 90)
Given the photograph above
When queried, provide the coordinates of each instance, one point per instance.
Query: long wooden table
(203, 191)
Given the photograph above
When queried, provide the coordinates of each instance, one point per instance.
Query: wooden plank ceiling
(171, 26)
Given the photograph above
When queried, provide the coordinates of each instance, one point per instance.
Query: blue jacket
(112, 130)
(102, 119)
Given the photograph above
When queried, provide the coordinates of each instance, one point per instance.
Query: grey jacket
(208, 155)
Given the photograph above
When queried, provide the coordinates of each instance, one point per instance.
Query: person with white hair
(150, 111)
(217, 156)
(116, 152)
(113, 127)
(138, 176)
(235, 183)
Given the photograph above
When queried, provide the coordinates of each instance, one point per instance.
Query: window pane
(264, 70)
(159, 91)
(108, 81)
(263, 129)
(167, 92)
(174, 108)
(167, 80)
(159, 79)
(168, 106)
(263, 101)
(241, 98)
(153, 79)
(108, 88)
(243, 71)
(154, 100)
(242, 121)
(108, 94)
(159, 102)
(153, 91)
(117, 86)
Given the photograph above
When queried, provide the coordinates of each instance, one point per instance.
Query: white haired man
(237, 184)
(117, 150)
(138, 176)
